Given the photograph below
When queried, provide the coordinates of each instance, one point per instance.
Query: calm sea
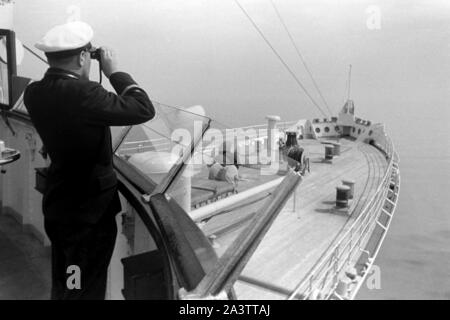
(207, 53)
(415, 256)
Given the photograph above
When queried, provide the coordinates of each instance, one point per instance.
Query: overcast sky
(207, 52)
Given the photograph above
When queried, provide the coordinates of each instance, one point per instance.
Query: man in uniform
(72, 115)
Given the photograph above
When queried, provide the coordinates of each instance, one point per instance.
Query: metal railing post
(336, 266)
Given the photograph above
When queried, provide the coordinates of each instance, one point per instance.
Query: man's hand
(109, 61)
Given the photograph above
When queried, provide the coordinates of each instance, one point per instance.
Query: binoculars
(96, 54)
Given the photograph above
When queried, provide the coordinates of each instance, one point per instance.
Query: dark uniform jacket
(72, 116)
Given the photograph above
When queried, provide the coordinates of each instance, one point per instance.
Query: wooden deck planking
(294, 245)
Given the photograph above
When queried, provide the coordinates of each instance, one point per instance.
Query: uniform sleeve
(129, 106)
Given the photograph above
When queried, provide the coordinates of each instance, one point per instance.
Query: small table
(8, 156)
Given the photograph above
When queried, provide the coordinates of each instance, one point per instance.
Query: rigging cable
(280, 58)
(300, 56)
(35, 54)
(349, 81)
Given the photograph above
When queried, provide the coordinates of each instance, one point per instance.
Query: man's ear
(81, 58)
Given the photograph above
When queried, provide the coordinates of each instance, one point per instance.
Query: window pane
(154, 147)
(4, 92)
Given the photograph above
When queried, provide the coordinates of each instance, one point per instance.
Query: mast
(349, 81)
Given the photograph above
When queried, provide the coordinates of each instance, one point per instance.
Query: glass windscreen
(155, 146)
(227, 178)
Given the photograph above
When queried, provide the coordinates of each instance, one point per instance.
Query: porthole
(359, 131)
(370, 132)
(354, 129)
(327, 129)
(336, 128)
(317, 130)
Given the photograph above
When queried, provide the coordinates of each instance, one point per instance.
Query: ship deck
(24, 263)
(293, 245)
(299, 238)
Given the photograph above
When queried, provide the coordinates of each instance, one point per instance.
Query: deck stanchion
(311, 284)
(335, 266)
(295, 203)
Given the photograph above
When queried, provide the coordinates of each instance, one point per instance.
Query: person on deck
(72, 116)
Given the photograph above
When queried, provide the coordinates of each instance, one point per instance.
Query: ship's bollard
(295, 208)
(336, 149)
(342, 195)
(329, 152)
(351, 184)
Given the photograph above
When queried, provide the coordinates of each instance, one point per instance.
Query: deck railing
(324, 277)
(164, 144)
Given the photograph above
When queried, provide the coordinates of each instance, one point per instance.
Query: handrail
(366, 215)
(144, 141)
(369, 217)
(165, 141)
(375, 253)
(347, 249)
(320, 273)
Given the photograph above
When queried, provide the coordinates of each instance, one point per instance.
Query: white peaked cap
(69, 36)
